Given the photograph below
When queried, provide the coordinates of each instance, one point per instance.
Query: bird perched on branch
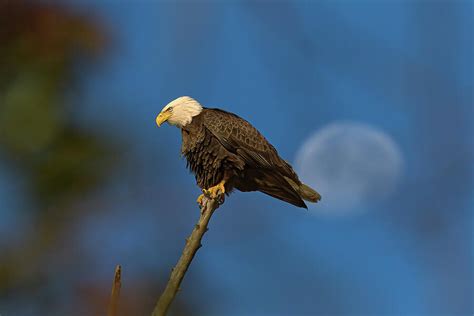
(226, 152)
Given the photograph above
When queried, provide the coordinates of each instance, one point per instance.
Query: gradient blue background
(289, 67)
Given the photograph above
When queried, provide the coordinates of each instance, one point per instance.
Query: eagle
(225, 152)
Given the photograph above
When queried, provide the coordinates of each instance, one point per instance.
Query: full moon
(352, 165)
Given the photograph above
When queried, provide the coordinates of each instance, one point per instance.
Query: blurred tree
(40, 44)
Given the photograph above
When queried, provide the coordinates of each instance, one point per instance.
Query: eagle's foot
(216, 191)
(200, 200)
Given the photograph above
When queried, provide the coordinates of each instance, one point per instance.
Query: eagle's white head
(179, 112)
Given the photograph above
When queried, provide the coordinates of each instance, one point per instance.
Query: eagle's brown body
(219, 146)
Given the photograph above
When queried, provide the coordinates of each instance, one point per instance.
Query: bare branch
(193, 243)
(114, 296)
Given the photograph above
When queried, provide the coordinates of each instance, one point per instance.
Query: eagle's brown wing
(264, 171)
(240, 137)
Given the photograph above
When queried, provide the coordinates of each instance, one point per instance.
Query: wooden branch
(114, 296)
(193, 243)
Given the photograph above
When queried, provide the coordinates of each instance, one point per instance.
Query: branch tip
(114, 296)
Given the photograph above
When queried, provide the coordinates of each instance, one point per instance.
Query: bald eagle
(226, 152)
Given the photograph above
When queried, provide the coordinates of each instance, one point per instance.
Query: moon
(352, 165)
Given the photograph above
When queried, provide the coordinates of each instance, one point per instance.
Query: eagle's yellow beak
(162, 117)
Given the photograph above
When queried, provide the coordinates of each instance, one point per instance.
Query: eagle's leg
(215, 191)
(218, 191)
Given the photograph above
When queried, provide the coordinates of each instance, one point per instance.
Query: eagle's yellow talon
(199, 199)
(215, 191)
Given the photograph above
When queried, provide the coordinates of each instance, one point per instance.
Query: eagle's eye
(170, 110)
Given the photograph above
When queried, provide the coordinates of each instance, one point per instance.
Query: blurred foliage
(40, 44)
(36, 68)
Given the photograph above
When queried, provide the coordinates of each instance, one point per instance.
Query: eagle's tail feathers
(305, 192)
(309, 194)
(284, 196)
(275, 185)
